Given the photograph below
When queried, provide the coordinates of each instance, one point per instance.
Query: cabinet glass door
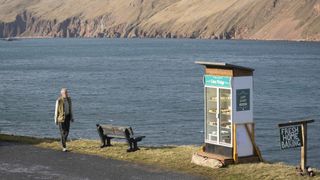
(225, 116)
(211, 114)
(218, 115)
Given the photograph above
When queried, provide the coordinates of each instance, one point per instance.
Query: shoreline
(176, 158)
(163, 38)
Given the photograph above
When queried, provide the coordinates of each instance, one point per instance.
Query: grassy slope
(261, 19)
(175, 158)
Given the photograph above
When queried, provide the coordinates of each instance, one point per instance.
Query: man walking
(63, 115)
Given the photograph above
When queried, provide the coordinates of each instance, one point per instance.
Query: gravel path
(21, 161)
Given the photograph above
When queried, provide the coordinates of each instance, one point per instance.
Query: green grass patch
(176, 158)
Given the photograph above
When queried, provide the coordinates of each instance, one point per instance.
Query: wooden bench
(108, 132)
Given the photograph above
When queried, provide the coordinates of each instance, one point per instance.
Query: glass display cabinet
(228, 122)
(218, 113)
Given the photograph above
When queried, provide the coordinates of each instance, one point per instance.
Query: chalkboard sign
(243, 99)
(291, 137)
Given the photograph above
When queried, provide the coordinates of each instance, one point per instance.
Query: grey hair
(63, 90)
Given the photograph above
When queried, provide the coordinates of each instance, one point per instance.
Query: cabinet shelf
(212, 123)
(225, 121)
(223, 98)
(228, 127)
(223, 112)
(226, 113)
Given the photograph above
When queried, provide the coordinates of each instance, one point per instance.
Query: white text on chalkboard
(290, 137)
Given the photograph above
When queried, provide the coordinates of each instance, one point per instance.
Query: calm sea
(154, 86)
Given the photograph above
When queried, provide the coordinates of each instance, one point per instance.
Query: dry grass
(175, 158)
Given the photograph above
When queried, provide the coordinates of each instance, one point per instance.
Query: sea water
(154, 86)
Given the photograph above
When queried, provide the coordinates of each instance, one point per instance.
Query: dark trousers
(64, 130)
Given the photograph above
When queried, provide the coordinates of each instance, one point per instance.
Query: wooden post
(304, 151)
(253, 136)
(235, 148)
(254, 145)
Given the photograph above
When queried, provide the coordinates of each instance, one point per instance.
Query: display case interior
(218, 115)
(225, 116)
(212, 121)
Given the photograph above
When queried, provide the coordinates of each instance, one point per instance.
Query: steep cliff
(208, 19)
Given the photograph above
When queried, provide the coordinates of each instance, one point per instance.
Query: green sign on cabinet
(217, 81)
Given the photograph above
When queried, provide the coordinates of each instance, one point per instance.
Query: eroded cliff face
(207, 19)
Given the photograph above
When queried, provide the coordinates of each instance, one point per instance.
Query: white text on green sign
(217, 81)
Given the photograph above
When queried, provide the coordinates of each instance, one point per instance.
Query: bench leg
(102, 137)
(130, 146)
(133, 146)
(103, 142)
(108, 141)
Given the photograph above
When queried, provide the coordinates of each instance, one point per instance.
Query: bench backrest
(117, 131)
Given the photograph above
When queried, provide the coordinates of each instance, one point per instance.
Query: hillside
(207, 19)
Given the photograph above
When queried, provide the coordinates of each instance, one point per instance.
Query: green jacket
(59, 115)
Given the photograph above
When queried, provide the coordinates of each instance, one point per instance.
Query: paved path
(20, 161)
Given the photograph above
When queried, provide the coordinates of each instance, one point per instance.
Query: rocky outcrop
(14, 28)
(205, 19)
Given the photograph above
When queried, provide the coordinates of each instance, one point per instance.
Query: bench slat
(115, 136)
(115, 131)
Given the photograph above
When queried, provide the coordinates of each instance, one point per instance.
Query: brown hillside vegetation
(207, 19)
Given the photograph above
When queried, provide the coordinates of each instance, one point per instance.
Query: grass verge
(176, 158)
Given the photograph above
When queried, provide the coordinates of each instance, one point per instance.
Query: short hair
(63, 90)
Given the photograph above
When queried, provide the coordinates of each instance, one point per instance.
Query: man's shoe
(64, 150)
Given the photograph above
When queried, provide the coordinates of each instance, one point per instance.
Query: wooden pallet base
(229, 160)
